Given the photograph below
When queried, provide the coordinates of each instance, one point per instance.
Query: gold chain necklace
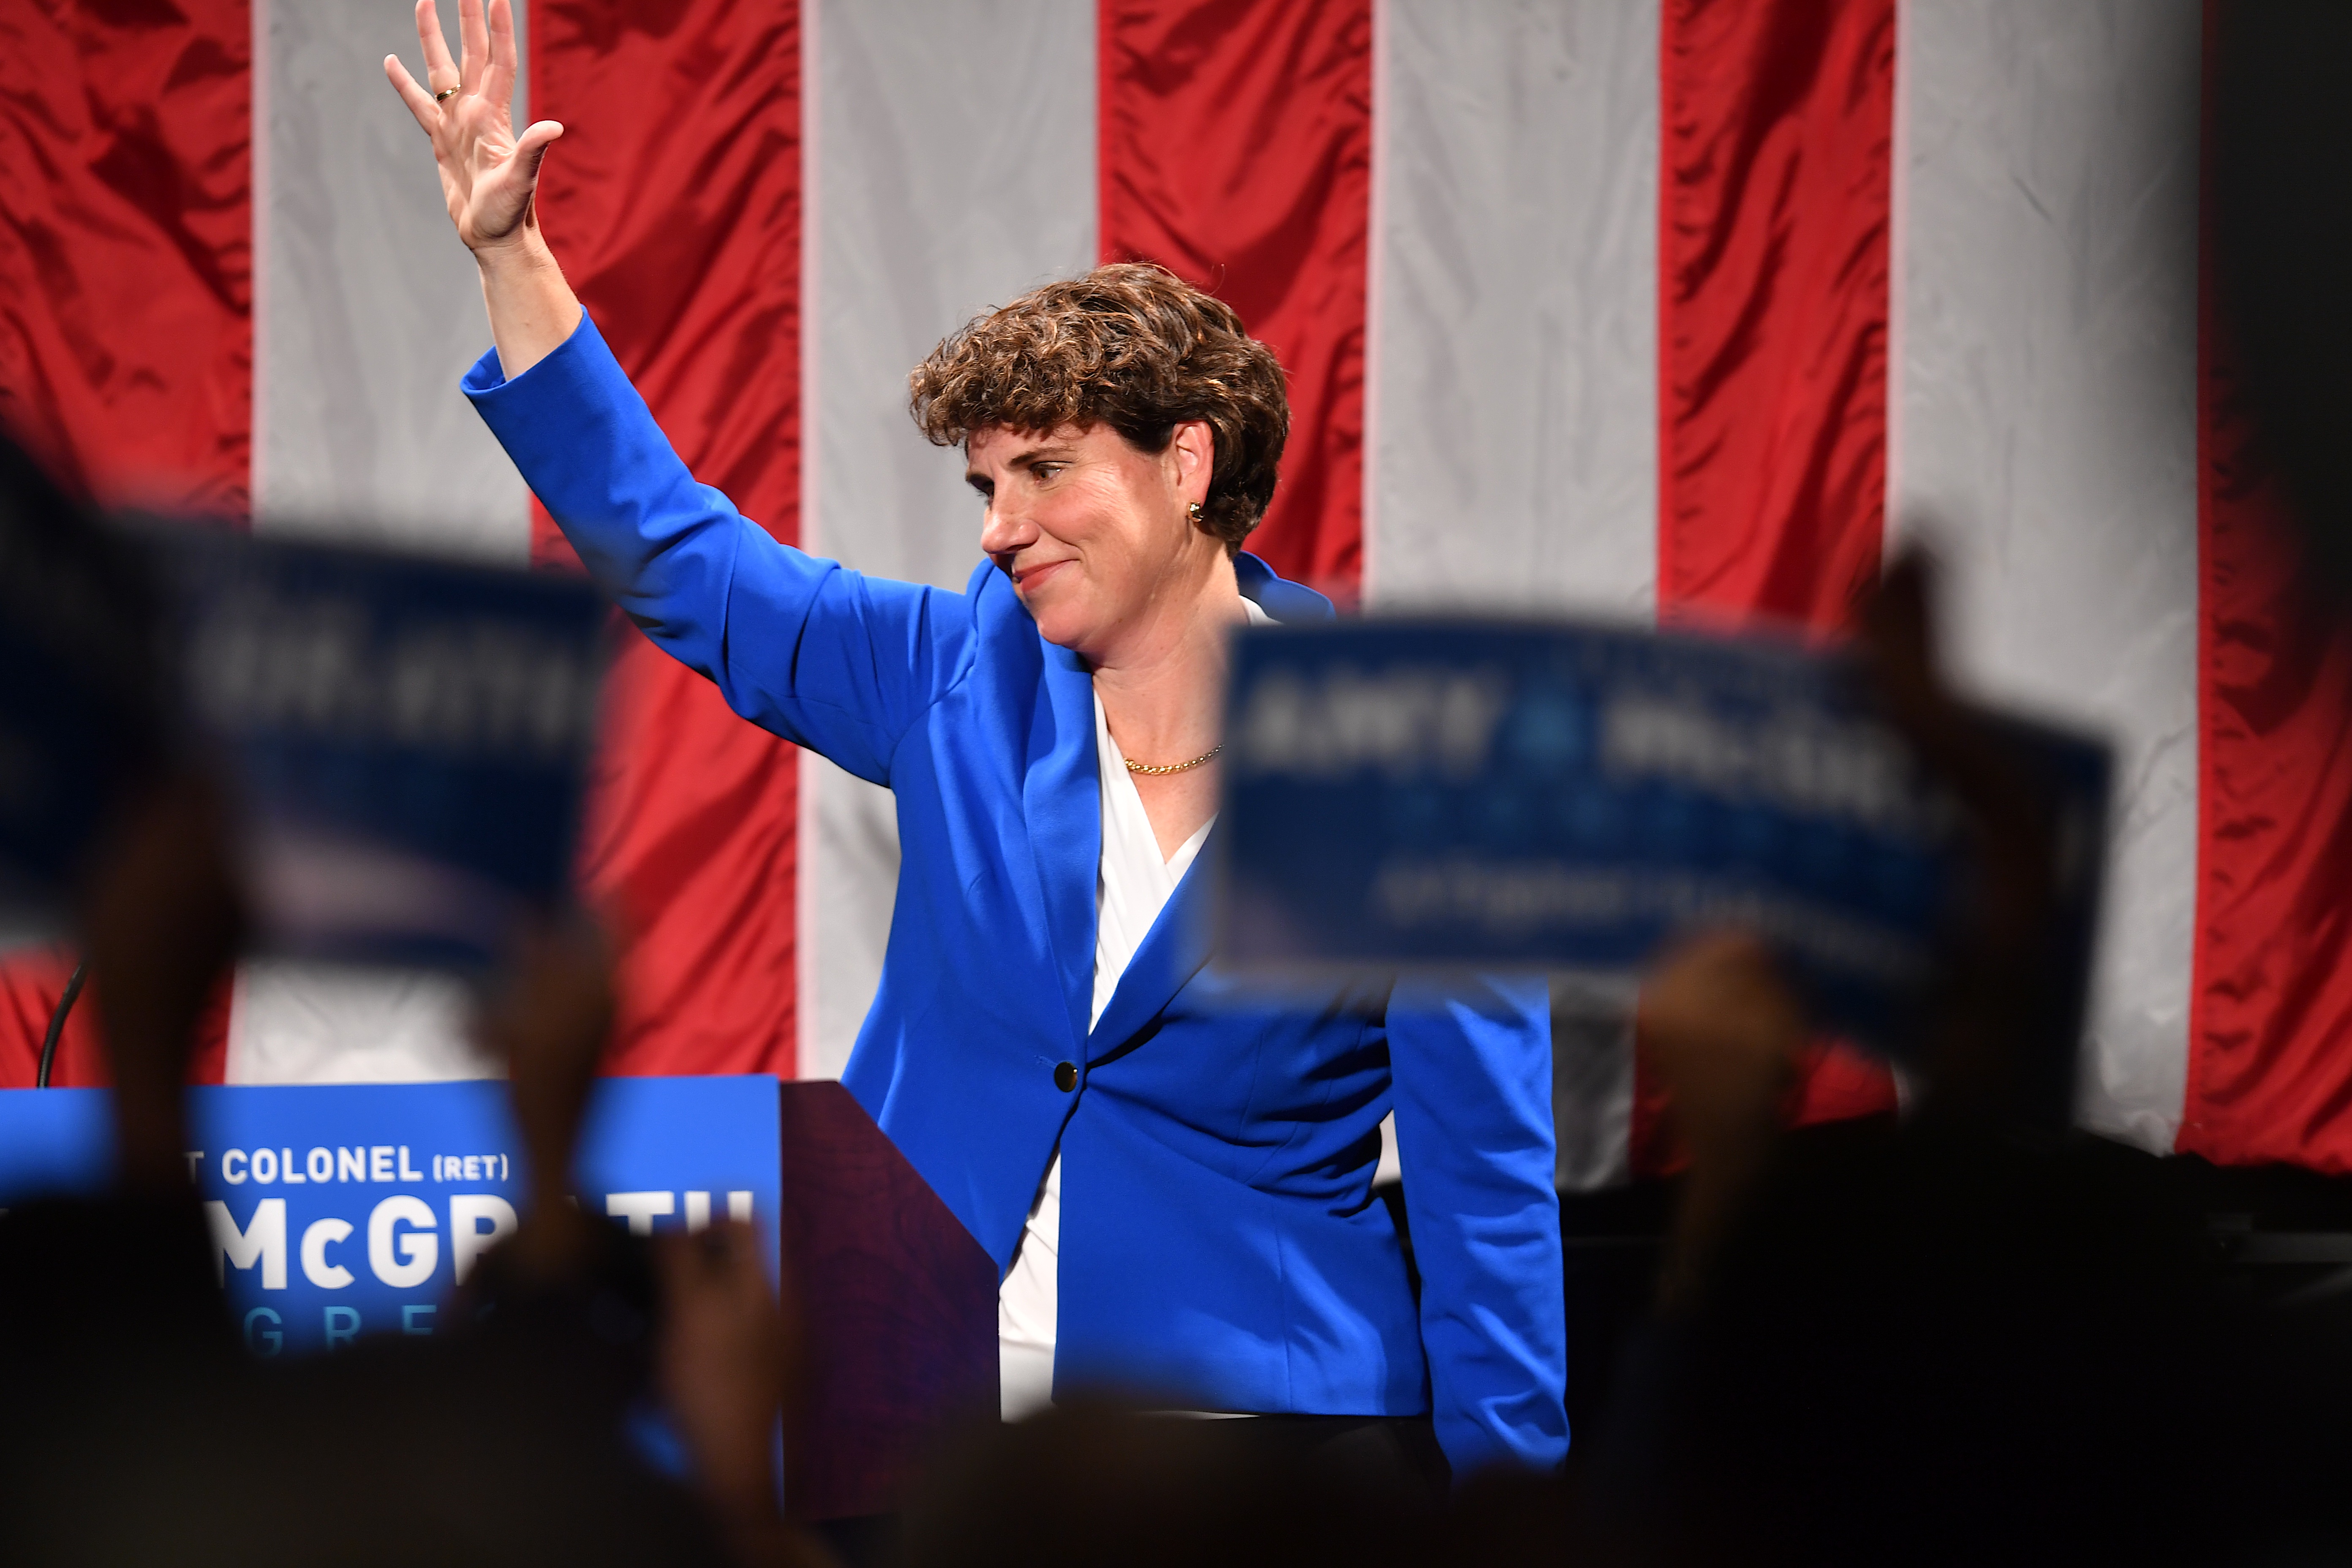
(1175, 767)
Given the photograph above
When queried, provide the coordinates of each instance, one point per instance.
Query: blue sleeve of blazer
(841, 663)
(1472, 1082)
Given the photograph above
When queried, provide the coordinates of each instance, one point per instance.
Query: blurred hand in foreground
(727, 1362)
(1724, 1032)
(2001, 998)
(550, 1022)
(163, 915)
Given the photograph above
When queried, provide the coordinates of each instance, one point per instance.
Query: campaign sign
(356, 1209)
(80, 709)
(1569, 795)
(408, 738)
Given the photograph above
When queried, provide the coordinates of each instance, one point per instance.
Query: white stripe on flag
(367, 313)
(1517, 412)
(2046, 397)
(953, 158)
(372, 309)
(1514, 401)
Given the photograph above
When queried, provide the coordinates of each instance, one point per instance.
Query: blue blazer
(1221, 1246)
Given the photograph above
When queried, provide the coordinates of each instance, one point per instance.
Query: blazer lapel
(1173, 952)
(1061, 798)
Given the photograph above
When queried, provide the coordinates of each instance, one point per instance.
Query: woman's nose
(1002, 530)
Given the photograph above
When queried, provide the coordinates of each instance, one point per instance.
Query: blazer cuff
(486, 384)
(584, 442)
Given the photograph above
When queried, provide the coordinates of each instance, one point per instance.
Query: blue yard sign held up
(1568, 797)
(81, 699)
(406, 739)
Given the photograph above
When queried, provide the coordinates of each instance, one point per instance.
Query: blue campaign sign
(345, 1210)
(408, 738)
(1453, 793)
(81, 702)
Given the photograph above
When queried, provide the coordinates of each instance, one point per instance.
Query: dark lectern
(900, 1304)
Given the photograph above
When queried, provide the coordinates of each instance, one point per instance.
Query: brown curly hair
(1132, 346)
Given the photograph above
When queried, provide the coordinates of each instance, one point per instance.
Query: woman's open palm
(487, 174)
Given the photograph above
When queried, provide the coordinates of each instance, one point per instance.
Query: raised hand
(1723, 1030)
(162, 913)
(728, 1355)
(490, 177)
(487, 174)
(551, 1024)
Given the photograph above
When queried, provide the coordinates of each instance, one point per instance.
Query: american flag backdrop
(1664, 308)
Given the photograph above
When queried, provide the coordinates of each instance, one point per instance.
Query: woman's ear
(1193, 449)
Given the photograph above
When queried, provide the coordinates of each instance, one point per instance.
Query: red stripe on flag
(674, 200)
(2270, 1024)
(2271, 1002)
(126, 316)
(1777, 128)
(126, 247)
(1236, 151)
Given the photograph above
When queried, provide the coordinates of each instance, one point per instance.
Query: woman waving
(1176, 1184)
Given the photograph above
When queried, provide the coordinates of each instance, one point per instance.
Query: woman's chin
(1060, 622)
(1063, 631)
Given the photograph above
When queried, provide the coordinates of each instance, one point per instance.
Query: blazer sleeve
(1472, 1067)
(828, 657)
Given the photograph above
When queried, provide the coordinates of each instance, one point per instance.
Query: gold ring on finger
(444, 92)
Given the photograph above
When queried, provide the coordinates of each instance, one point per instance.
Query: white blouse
(1131, 886)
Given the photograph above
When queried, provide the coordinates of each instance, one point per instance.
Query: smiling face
(1094, 532)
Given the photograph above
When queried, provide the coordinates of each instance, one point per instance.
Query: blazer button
(1065, 1076)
